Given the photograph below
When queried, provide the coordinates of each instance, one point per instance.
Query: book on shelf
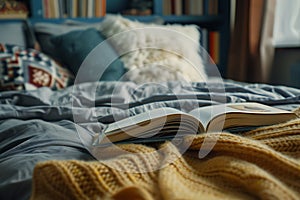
(190, 7)
(101, 7)
(55, 9)
(82, 8)
(13, 10)
(167, 122)
(139, 7)
(204, 44)
(214, 46)
(174, 7)
(90, 9)
(167, 7)
(178, 7)
(213, 7)
(196, 7)
(61, 9)
(45, 8)
(72, 8)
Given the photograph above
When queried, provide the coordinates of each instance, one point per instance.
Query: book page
(208, 113)
(133, 121)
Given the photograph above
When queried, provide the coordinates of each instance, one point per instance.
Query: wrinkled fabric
(43, 124)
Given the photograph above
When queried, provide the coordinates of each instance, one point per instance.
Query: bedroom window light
(286, 30)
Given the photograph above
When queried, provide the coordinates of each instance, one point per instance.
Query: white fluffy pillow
(155, 53)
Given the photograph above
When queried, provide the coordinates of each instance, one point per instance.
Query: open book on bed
(167, 122)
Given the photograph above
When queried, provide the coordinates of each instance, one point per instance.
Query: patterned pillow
(28, 69)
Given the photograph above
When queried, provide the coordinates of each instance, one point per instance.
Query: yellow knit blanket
(260, 164)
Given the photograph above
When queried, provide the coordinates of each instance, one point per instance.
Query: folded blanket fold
(260, 164)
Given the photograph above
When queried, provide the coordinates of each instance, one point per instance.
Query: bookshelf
(13, 10)
(214, 21)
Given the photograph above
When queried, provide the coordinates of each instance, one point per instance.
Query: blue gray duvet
(42, 125)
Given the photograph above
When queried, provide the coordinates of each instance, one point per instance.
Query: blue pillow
(73, 47)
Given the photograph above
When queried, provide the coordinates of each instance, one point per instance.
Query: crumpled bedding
(43, 125)
(260, 164)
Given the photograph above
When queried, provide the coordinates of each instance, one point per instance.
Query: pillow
(74, 47)
(22, 34)
(152, 52)
(44, 31)
(27, 69)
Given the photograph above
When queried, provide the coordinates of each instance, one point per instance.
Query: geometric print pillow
(29, 69)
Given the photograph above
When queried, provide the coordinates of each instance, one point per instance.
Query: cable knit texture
(260, 164)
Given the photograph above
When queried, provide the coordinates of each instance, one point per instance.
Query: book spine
(214, 46)
(79, 8)
(103, 7)
(158, 7)
(75, 10)
(90, 8)
(45, 8)
(206, 7)
(61, 8)
(199, 8)
(66, 9)
(172, 7)
(213, 7)
(51, 8)
(56, 9)
(178, 7)
(167, 7)
(204, 44)
(69, 8)
(36, 9)
(98, 8)
(186, 6)
(193, 9)
(83, 8)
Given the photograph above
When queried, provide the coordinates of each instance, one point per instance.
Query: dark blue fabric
(73, 47)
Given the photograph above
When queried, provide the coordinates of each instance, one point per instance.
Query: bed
(47, 131)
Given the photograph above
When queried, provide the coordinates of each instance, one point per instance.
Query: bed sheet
(42, 124)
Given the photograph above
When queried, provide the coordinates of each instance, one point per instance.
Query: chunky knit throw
(260, 164)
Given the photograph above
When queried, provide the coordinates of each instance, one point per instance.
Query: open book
(167, 122)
